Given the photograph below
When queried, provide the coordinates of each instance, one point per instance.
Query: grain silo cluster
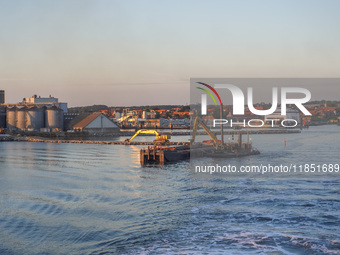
(33, 114)
(34, 118)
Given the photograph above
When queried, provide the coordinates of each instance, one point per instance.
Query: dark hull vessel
(162, 155)
(201, 150)
(176, 155)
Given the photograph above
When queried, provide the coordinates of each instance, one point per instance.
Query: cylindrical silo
(21, 118)
(11, 118)
(35, 118)
(2, 117)
(53, 118)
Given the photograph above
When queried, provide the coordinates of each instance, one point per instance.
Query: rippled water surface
(97, 199)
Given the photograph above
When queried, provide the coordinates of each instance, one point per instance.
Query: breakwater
(44, 140)
(60, 140)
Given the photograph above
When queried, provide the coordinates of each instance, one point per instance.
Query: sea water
(97, 199)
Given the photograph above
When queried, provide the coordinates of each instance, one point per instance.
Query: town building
(291, 114)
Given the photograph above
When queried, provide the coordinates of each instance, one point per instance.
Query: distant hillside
(95, 108)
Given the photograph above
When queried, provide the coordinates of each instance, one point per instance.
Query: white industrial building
(45, 100)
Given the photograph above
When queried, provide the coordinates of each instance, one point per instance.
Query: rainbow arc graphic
(204, 101)
(209, 93)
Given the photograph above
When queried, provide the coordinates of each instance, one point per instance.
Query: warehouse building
(96, 123)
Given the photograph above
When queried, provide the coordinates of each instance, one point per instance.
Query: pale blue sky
(144, 52)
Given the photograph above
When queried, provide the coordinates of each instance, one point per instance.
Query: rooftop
(87, 120)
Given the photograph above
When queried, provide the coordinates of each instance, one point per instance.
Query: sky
(144, 52)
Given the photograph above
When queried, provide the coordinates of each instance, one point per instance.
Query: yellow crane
(160, 139)
(197, 122)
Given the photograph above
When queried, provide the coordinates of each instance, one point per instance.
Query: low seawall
(6, 138)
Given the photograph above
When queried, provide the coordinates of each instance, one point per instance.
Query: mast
(221, 117)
